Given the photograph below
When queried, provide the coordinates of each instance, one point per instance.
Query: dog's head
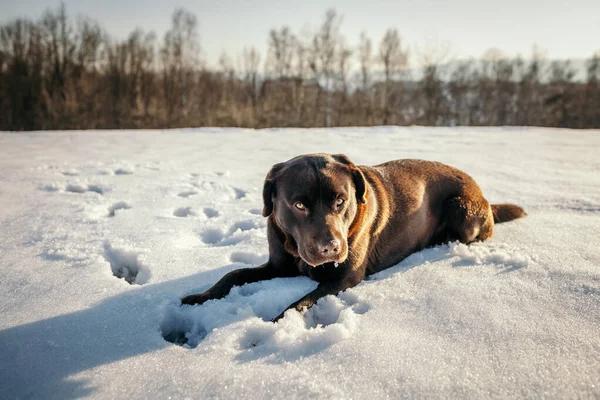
(314, 199)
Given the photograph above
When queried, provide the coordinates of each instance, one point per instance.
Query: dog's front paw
(193, 299)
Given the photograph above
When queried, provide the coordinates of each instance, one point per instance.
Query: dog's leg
(236, 277)
(322, 290)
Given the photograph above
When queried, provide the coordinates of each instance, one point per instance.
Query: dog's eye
(300, 206)
(339, 201)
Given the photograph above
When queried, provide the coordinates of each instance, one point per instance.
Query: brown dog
(337, 222)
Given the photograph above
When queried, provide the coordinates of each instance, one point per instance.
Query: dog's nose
(329, 247)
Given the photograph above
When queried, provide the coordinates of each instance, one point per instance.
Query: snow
(103, 232)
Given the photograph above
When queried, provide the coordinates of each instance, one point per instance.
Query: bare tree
(529, 104)
(592, 92)
(343, 70)
(497, 88)
(302, 72)
(365, 55)
(282, 48)
(462, 87)
(325, 45)
(281, 51)
(434, 103)
(21, 73)
(394, 58)
(59, 42)
(251, 66)
(559, 102)
(179, 56)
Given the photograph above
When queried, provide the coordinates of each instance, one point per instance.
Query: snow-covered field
(172, 211)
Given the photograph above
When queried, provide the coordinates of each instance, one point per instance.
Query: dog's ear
(360, 183)
(269, 189)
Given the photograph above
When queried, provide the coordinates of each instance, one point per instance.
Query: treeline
(59, 73)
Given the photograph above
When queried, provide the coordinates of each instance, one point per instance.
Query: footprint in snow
(216, 237)
(212, 236)
(243, 226)
(187, 193)
(125, 265)
(52, 187)
(239, 193)
(70, 172)
(183, 212)
(121, 205)
(187, 211)
(79, 188)
(210, 212)
(123, 171)
(219, 190)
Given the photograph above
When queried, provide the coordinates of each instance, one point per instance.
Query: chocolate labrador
(337, 222)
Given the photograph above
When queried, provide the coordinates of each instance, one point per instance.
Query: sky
(466, 27)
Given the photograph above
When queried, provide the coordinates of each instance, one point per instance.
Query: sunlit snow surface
(101, 233)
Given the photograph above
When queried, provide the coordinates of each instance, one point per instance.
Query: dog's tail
(507, 212)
